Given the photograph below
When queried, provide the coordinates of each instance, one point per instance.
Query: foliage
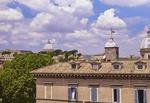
(17, 85)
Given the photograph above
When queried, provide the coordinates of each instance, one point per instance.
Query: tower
(111, 48)
(145, 46)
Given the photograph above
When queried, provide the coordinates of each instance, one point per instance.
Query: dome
(111, 43)
(146, 41)
(48, 46)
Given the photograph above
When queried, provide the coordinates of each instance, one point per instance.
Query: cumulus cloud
(10, 14)
(71, 6)
(126, 3)
(66, 21)
(3, 40)
(5, 27)
(80, 34)
(35, 4)
(108, 19)
(57, 22)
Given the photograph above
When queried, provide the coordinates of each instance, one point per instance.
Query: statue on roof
(111, 42)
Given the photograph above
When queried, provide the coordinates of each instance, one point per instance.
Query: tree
(18, 85)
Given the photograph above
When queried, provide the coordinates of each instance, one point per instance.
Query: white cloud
(76, 7)
(41, 20)
(67, 22)
(126, 3)
(10, 14)
(5, 27)
(3, 40)
(61, 15)
(82, 34)
(3, 3)
(136, 20)
(30, 39)
(108, 19)
(35, 4)
(57, 22)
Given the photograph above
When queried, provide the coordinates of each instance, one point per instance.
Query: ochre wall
(60, 89)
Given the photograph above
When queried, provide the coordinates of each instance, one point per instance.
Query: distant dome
(146, 41)
(48, 46)
(111, 43)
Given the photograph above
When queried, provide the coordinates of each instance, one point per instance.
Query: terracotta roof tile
(128, 66)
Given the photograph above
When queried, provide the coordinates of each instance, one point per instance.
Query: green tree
(18, 85)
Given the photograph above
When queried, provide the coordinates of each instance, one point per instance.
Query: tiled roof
(128, 66)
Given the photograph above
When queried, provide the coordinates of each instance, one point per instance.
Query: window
(48, 90)
(72, 93)
(116, 66)
(142, 55)
(140, 96)
(148, 57)
(73, 66)
(140, 66)
(116, 95)
(94, 93)
(95, 66)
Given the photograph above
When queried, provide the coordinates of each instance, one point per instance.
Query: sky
(73, 24)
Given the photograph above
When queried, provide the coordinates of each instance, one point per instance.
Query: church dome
(48, 46)
(111, 43)
(146, 41)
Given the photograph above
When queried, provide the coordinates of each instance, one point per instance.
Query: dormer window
(140, 65)
(117, 65)
(95, 66)
(75, 65)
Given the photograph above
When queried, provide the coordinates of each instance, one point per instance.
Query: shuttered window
(94, 93)
(72, 93)
(48, 90)
(116, 95)
(140, 96)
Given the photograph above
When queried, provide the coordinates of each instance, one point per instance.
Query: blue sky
(73, 24)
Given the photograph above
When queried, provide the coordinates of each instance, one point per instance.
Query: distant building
(8, 55)
(48, 47)
(110, 79)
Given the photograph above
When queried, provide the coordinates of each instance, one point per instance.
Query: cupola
(145, 46)
(146, 41)
(111, 48)
(48, 46)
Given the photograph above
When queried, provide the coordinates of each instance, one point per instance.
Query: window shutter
(145, 96)
(69, 93)
(75, 91)
(136, 96)
(118, 95)
(94, 94)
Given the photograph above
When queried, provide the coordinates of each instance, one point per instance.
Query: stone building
(8, 55)
(111, 79)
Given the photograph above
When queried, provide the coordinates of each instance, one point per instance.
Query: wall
(60, 89)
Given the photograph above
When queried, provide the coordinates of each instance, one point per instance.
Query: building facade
(8, 55)
(109, 79)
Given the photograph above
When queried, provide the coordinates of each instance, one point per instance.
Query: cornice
(123, 76)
